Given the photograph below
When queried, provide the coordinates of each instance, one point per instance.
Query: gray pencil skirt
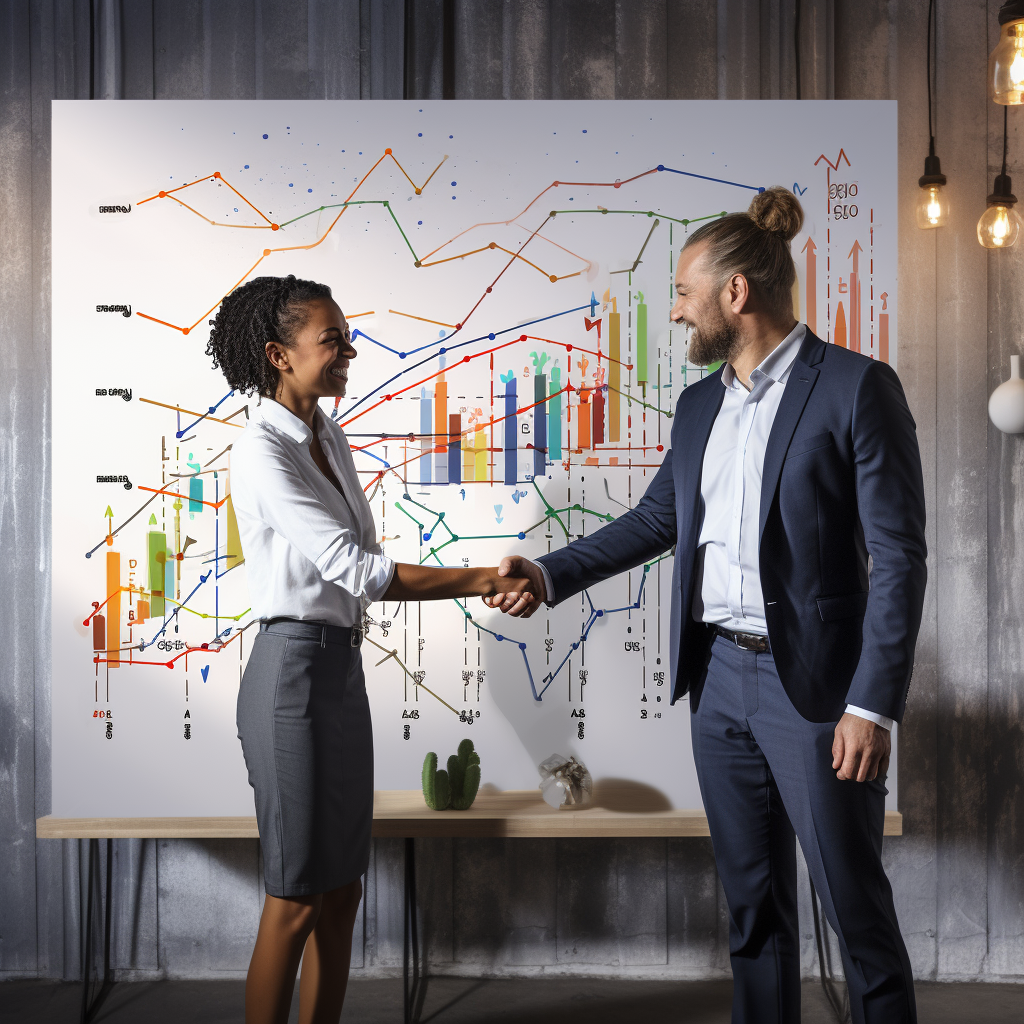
(304, 722)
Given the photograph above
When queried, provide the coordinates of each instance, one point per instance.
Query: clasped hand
(527, 590)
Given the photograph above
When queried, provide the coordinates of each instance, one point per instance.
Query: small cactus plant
(457, 787)
(436, 787)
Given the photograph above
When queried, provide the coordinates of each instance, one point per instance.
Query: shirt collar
(775, 366)
(284, 420)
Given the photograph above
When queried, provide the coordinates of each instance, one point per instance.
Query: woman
(313, 567)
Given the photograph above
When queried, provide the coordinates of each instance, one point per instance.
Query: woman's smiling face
(316, 363)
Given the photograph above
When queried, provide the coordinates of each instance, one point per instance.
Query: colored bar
(426, 429)
(583, 419)
(155, 577)
(99, 633)
(480, 456)
(641, 340)
(454, 448)
(114, 609)
(440, 428)
(540, 426)
(141, 610)
(839, 334)
(883, 337)
(555, 415)
(233, 553)
(170, 563)
(468, 457)
(511, 432)
(597, 401)
(614, 375)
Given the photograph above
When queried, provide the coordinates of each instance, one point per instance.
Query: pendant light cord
(796, 44)
(931, 133)
(1005, 112)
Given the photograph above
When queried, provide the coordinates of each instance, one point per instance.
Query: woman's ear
(277, 355)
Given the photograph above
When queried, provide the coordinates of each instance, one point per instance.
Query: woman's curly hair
(261, 310)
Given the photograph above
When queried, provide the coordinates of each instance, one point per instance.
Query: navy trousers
(766, 777)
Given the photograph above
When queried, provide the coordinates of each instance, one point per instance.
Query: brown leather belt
(746, 641)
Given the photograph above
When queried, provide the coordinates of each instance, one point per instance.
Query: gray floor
(465, 1001)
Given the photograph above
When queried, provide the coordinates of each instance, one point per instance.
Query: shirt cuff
(885, 723)
(549, 588)
(378, 590)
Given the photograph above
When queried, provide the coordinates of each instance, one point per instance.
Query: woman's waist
(322, 632)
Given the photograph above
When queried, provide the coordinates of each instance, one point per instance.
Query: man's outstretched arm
(642, 533)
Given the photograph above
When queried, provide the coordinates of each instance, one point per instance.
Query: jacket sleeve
(890, 503)
(642, 533)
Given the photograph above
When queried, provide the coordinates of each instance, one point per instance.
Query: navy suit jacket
(841, 482)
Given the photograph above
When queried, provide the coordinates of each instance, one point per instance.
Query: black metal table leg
(89, 1007)
(415, 988)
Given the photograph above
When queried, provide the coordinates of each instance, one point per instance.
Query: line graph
(507, 271)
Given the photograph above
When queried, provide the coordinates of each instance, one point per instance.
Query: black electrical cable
(796, 44)
(931, 133)
(1006, 110)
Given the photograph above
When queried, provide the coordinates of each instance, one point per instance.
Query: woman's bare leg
(284, 927)
(328, 952)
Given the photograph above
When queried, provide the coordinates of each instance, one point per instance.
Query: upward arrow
(811, 284)
(855, 253)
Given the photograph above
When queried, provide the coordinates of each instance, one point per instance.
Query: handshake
(519, 587)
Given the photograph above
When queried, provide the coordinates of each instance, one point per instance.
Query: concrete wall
(630, 906)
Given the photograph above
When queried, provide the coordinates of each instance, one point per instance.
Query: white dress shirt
(728, 590)
(310, 552)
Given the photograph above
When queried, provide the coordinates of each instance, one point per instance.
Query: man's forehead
(689, 262)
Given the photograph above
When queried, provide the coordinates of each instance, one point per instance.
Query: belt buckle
(355, 637)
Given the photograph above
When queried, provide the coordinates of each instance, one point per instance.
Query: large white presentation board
(508, 268)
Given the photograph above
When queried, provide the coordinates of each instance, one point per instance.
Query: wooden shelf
(401, 813)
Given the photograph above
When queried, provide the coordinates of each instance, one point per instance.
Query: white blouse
(310, 553)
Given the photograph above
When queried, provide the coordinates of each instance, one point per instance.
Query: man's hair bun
(777, 210)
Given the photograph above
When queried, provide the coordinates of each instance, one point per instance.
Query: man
(790, 466)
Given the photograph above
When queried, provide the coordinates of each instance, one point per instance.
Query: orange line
(169, 191)
(352, 316)
(440, 323)
(190, 412)
(387, 153)
(146, 316)
(178, 494)
(244, 200)
(554, 184)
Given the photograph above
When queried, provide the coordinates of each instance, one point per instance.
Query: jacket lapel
(799, 384)
(693, 453)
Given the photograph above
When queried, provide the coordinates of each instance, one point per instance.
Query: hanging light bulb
(1006, 62)
(932, 202)
(999, 226)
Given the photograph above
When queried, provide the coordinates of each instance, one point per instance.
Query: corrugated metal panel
(958, 872)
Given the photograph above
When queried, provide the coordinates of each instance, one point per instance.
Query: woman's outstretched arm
(430, 583)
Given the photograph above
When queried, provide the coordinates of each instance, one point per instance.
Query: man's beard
(715, 339)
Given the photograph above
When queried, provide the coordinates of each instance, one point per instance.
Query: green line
(333, 206)
(416, 521)
(649, 213)
(387, 206)
(646, 405)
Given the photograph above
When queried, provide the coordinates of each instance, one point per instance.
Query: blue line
(362, 334)
(704, 177)
(213, 408)
(483, 337)
(202, 579)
